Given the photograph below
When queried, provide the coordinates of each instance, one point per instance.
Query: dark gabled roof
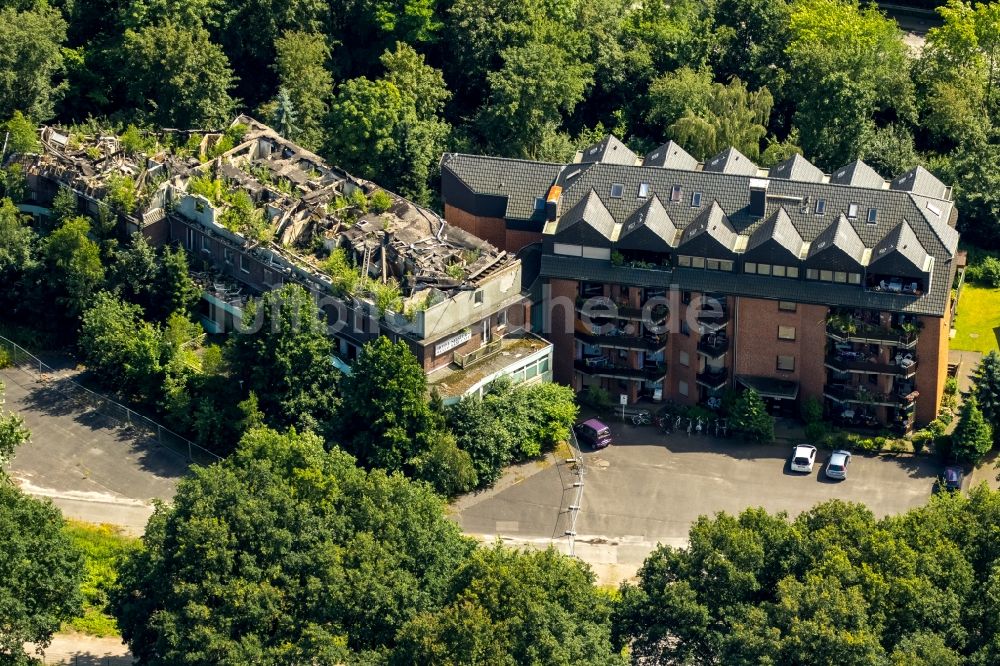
(920, 181)
(899, 253)
(857, 174)
(520, 182)
(670, 156)
(709, 235)
(775, 238)
(587, 222)
(610, 151)
(648, 228)
(931, 219)
(837, 247)
(731, 160)
(796, 167)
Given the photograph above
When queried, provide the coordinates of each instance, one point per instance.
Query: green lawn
(103, 546)
(978, 315)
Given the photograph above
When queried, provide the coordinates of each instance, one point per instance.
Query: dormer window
(539, 203)
(820, 206)
(872, 215)
(616, 190)
(643, 190)
(695, 199)
(852, 211)
(675, 193)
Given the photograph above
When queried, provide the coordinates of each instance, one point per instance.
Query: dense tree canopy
(284, 355)
(383, 87)
(40, 572)
(285, 553)
(833, 586)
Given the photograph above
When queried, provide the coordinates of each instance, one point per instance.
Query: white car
(836, 467)
(803, 458)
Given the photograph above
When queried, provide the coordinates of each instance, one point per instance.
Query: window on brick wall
(786, 332)
(786, 306)
(786, 363)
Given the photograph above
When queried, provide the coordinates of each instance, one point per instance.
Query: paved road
(90, 467)
(649, 488)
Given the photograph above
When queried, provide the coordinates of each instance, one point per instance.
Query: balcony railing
(600, 307)
(476, 355)
(861, 395)
(713, 379)
(601, 367)
(713, 319)
(713, 346)
(868, 334)
(644, 343)
(905, 367)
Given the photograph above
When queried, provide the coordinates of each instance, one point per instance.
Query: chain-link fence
(89, 400)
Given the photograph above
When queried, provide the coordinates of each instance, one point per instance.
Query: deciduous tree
(302, 66)
(845, 65)
(177, 77)
(40, 573)
(30, 60)
(285, 553)
(284, 355)
(72, 265)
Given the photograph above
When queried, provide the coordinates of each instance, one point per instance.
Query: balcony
(602, 307)
(861, 395)
(713, 379)
(603, 367)
(856, 363)
(650, 343)
(713, 346)
(712, 320)
(856, 331)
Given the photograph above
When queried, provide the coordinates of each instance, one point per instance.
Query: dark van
(595, 433)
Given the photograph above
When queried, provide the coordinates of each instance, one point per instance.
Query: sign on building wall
(451, 343)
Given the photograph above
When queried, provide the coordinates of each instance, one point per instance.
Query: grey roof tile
(840, 235)
(796, 167)
(732, 161)
(899, 246)
(648, 228)
(590, 211)
(857, 174)
(920, 181)
(670, 156)
(731, 192)
(609, 150)
(521, 181)
(780, 229)
(712, 223)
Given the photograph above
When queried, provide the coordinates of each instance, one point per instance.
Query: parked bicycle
(642, 418)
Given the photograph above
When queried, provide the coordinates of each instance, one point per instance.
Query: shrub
(358, 199)
(380, 201)
(5, 361)
(595, 397)
(816, 431)
(812, 410)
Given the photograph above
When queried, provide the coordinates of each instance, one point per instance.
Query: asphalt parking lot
(88, 465)
(649, 488)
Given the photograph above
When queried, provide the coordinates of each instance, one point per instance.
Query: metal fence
(89, 400)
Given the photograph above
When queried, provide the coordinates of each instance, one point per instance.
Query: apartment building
(674, 279)
(267, 212)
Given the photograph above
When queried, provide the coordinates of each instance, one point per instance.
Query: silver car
(803, 458)
(836, 467)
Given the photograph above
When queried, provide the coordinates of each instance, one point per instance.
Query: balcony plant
(842, 323)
